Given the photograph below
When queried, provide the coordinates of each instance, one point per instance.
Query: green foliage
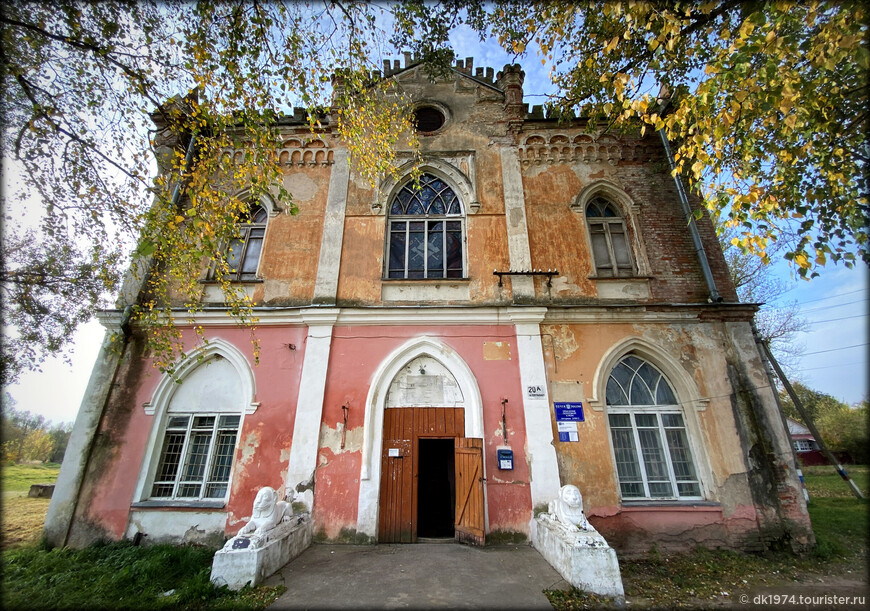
(90, 93)
(120, 576)
(845, 429)
(27, 436)
(765, 102)
(815, 403)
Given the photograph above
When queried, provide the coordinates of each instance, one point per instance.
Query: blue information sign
(569, 412)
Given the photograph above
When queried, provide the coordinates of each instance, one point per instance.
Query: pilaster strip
(540, 450)
(517, 228)
(326, 284)
(309, 407)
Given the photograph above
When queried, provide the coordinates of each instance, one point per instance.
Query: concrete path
(419, 576)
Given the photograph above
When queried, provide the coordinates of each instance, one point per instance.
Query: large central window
(425, 231)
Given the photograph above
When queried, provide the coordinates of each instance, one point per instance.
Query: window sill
(675, 505)
(425, 280)
(615, 278)
(221, 504)
(426, 289)
(622, 287)
(212, 282)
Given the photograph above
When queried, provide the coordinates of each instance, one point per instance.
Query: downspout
(64, 506)
(690, 219)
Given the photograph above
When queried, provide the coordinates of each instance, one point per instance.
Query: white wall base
(582, 558)
(237, 567)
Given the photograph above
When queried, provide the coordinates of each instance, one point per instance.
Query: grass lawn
(123, 576)
(18, 478)
(715, 578)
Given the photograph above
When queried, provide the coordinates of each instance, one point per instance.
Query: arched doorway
(428, 468)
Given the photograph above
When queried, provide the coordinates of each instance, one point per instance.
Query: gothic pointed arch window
(426, 228)
(648, 432)
(611, 248)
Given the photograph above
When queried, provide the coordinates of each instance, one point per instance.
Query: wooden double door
(431, 477)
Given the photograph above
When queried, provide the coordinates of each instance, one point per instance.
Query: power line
(832, 366)
(834, 296)
(813, 322)
(835, 306)
(835, 349)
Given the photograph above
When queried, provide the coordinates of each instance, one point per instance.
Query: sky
(835, 304)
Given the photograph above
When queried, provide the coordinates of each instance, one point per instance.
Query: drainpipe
(62, 509)
(690, 218)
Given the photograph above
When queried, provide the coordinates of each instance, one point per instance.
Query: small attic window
(428, 119)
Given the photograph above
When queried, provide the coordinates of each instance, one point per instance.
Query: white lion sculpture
(268, 513)
(568, 509)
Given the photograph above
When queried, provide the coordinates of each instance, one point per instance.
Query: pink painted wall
(355, 355)
(266, 436)
(263, 447)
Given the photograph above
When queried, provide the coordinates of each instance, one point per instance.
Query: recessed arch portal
(433, 351)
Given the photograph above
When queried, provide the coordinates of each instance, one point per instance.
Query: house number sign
(535, 391)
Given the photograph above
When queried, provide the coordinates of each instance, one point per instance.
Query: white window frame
(658, 410)
(604, 225)
(159, 405)
(206, 477)
(803, 445)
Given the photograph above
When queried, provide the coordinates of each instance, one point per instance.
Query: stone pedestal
(583, 558)
(248, 559)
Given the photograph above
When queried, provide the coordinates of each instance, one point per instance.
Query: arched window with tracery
(610, 243)
(648, 431)
(425, 231)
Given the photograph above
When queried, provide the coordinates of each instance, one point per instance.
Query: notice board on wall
(568, 414)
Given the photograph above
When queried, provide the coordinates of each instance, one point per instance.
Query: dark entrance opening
(436, 488)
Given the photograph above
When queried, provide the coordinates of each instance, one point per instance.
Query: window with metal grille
(243, 253)
(610, 243)
(650, 443)
(196, 457)
(425, 231)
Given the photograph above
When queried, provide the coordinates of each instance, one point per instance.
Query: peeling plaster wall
(104, 504)
(728, 516)
(356, 353)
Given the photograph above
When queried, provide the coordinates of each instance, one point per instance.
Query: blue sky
(836, 304)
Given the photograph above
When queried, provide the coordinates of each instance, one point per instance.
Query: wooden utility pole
(809, 422)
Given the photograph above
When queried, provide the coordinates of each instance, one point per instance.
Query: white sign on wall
(535, 391)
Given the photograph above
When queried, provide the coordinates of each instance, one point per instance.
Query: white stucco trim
(168, 385)
(684, 387)
(544, 481)
(519, 253)
(299, 483)
(682, 383)
(160, 400)
(326, 284)
(370, 471)
(462, 184)
(453, 315)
